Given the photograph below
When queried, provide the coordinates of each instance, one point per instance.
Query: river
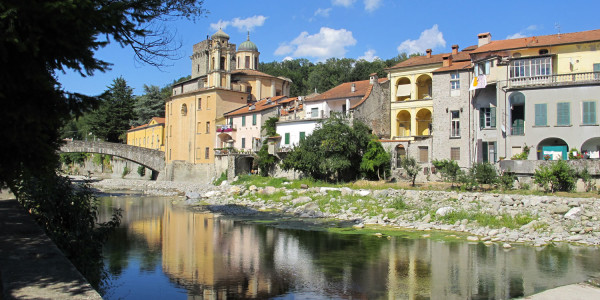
(162, 251)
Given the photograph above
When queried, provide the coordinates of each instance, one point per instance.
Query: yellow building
(151, 135)
(223, 80)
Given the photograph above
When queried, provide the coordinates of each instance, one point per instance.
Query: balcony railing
(555, 79)
(225, 128)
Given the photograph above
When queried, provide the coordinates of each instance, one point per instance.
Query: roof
(260, 105)
(541, 41)
(248, 45)
(158, 120)
(459, 65)
(251, 73)
(344, 90)
(437, 58)
(220, 34)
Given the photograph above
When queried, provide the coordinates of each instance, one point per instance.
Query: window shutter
(563, 113)
(243, 120)
(589, 112)
(253, 119)
(476, 70)
(493, 117)
(487, 67)
(484, 151)
(481, 118)
(287, 138)
(540, 115)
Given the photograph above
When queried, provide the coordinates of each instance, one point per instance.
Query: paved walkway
(31, 266)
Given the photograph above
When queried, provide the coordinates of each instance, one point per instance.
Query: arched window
(184, 109)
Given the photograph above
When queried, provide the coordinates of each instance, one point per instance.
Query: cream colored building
(151, 135)
(223, 79)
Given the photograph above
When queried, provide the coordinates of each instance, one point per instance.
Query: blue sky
(319, 29)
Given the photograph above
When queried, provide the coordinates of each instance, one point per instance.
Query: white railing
(555, 79)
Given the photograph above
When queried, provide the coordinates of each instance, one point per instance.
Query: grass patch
(492, 221)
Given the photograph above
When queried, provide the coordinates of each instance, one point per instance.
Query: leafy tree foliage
(111, 121)
(449, 169)
(376, 162)
(411, 167)
(558, 176)
(41, 37)
(150, 104)
(333, 152)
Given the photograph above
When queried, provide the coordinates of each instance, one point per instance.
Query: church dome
(220, 34)
(248, 45)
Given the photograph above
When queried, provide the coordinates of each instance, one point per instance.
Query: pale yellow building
(151, 135)
(223, 80)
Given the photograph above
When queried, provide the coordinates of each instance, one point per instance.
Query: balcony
(555, 80)
(225, 128)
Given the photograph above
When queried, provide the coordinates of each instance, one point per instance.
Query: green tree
(376, 162)
(411, 167)
(332, 152)
(150, 104)
(558, 176)
(111, 120)
(485, 173)
(449, 169)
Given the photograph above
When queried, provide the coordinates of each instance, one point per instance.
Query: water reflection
(174, 252)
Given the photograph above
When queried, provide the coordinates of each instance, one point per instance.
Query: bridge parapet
(152, 159)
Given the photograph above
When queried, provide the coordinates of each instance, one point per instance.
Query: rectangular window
(563, 114)
(541, 114)
(243, 143)
(302, 135)
(454, 81)
(487, 117)
(596, 71)
(539, 66)
(199, 103)
(231, 121)
(207, 101)
(287, 138)
(247, 64)
(482, 68)
(207, 127)
(199, 127)
(455, 123)
(253, 119)
(455, 153)
(314, 112)
(243, 120)
(423, 154)
(489, 151)
(206, 153)
(589, 113)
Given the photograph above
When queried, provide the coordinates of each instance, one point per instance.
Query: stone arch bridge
(152, 159)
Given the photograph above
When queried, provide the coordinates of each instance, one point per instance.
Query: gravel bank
(574, 220)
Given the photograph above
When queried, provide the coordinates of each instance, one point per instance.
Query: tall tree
(150, 104)
(111, 120)
(40, 37)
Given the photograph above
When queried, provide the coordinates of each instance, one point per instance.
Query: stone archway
(553, 147)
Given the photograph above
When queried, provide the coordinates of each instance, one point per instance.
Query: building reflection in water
(217, 258)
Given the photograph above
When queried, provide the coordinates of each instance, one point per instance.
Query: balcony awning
(403, 90)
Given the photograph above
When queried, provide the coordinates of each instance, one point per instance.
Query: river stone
(493, 232)
(359, 226)
(234, 190)
(304, 186)
(362, 193)
(252, 188)
(269, 190)
(573, 213)
(301, 200)
(506, 246)
(561, 209)
(575, 238)
(426, 218)
(192, 195)
(224, 183)
(328, 189)
(442, 211)
(210, 194)
(472, 238)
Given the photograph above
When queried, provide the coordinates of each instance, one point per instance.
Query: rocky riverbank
(486, 217)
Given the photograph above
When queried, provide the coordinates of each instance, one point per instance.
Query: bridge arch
(149, 158)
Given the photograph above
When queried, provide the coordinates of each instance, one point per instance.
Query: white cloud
(323, 12)
(369, 55)
(344, 3)
(523, 33)
(287, 58)
(246, 24)
(429, 39)
(325, 44)
(372, 5)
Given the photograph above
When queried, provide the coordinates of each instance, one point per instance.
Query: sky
(359, 29)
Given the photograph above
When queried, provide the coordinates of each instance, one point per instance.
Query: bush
(485, 173)
(126, 172)
(558, 176)
(221, 178)
(449, 169)
(523, 155)
(141, 171)
(507, 180)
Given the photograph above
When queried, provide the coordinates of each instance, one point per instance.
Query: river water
(163, 251)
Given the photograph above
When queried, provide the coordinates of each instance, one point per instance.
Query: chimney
(446, 60)
(428, 51)
(454, 49)
(353, 87)
(373, 78)
(484, 39)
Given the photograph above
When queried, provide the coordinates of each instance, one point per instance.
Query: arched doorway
(552, 149)
(591, 147)
(403, 89)
(403, 123)
(424, 87)
(400, 155)
(225, 140)
(424, 122)
(517, 113)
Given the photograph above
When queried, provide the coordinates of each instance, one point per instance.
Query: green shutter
(302, 135)
(254, 119)
(484, 151)
(481, 118)
(243, 120)
(540, 114)
(243, 143)
(287, 138)
(493, 117)
(589, 112)
(563, 114)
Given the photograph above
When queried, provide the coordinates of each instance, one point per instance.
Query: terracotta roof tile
(158, 120)
(459, 65)
(541, 41)
(344, 90)
(258, 106)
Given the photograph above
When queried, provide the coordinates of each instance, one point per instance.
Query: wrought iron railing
(226, 128)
